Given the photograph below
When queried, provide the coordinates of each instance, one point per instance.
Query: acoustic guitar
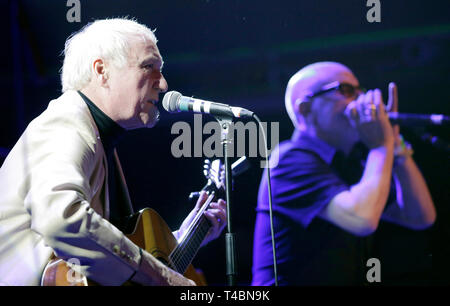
(149, 231)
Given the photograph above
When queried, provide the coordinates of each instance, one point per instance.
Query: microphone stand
(226, 139)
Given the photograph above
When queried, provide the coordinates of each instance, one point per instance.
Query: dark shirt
(310, 250)
(110, 135)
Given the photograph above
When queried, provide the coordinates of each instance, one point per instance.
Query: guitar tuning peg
(193, 197)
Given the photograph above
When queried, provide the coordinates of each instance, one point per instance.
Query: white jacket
(54, 198)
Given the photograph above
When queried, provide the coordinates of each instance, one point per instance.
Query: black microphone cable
(269, 187)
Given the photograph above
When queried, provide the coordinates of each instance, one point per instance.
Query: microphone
(418, 119)
(174, 102)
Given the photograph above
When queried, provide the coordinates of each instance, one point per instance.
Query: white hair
(108, 39)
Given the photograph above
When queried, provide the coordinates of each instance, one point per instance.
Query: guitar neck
(182, 256)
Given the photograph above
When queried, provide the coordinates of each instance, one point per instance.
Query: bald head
(310, 79)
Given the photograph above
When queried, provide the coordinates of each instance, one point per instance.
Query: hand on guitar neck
(215, 213)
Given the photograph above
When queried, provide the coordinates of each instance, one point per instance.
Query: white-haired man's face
(135, 88)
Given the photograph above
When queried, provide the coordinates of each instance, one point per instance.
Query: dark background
(243, 53)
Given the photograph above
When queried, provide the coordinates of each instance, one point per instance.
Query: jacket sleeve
(57, 192)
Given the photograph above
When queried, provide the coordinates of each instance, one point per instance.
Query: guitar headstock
(215, 173)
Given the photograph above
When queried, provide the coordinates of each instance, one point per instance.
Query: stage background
(243, 53)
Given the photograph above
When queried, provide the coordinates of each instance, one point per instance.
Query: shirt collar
(316, 145)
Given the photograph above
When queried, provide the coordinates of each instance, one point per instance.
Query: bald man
(345, 168)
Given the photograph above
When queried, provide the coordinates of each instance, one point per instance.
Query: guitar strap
(120, 206)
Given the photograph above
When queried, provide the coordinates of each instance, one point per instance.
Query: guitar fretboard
(186, 250)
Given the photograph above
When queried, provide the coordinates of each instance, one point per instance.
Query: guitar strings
(191, 243)
(187, 251)
(191, 233)
(193, 248)
(198, 216)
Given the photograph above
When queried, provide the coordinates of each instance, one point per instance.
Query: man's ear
(303, 107)
(100, 71)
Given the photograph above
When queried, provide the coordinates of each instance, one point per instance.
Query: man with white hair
(63, 190)
(332, 184)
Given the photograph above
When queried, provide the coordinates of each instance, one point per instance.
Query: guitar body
(153, 235)
(150, 232)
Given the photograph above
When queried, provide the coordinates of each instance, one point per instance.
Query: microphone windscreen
(170, 101)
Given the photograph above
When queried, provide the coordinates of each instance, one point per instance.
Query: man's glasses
(346, 89)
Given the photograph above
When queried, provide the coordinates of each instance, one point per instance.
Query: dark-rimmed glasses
(346, 89)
